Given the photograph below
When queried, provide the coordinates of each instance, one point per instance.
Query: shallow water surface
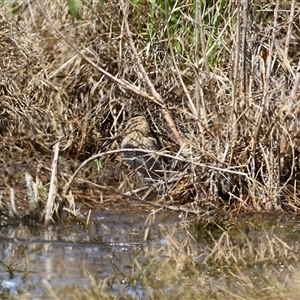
(59, 256)
(121, 247)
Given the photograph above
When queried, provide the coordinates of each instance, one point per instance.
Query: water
(62, 256)
(119, 245)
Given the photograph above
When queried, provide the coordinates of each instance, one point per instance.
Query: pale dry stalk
(52, 190)
(235, 80)
(267, 81)
(286, 63)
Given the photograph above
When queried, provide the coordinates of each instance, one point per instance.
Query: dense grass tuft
(225, 75)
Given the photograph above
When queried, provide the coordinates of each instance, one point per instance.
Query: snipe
(138, 135)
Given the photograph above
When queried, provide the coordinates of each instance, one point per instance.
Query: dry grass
(225, 76)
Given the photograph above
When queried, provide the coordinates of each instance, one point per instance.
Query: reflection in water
(61, 256)
(124, 244)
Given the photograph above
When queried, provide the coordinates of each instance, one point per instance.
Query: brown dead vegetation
(225, 109)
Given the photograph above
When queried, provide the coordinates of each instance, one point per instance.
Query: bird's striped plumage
(138, 135)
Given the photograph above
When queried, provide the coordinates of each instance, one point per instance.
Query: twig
(31, 194)
(291, 124)
(235, 74)
(52, 189)
(130, 196)
(92, 158)
(296, 85)
(286, 63)
(12, 207)
(140, 200)
(266, 83)
(245, 13)
(200, 21)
